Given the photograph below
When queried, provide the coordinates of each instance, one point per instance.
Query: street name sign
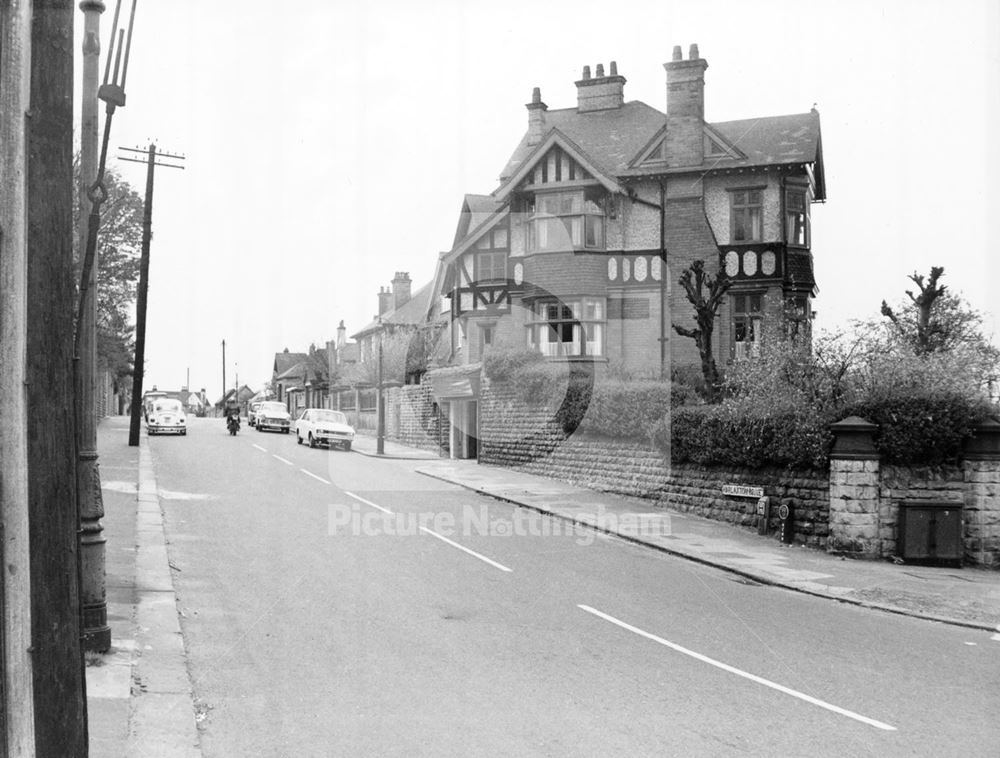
(742, 490)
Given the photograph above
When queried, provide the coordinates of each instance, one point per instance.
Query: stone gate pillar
(854, 489)
(981, 470)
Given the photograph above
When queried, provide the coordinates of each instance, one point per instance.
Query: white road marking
(129, 487)
(464, 549)
(739, 672)
(262, 449)
(368, 502)
(317, 478)
(441, 537)
(283, 460)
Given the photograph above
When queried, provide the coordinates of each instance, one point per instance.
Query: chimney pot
(602, 92)
(536, 117)
(677, 53)
(693, 52)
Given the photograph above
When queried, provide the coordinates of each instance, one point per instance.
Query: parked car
(319, 426)
(273, 415)
(166, 416)
(252, 412)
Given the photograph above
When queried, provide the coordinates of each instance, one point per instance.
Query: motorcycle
(233, 424)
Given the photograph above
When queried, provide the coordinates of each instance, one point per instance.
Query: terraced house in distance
(601, 206)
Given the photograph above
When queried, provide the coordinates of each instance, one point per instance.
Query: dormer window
(565, 221)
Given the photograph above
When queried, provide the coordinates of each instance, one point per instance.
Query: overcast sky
(329, 144)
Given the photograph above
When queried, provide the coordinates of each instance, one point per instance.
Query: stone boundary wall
(512, 435)
(411, 418)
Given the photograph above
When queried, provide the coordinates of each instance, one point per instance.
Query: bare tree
(705, 293)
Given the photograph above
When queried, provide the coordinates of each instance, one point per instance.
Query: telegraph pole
(17, 735)
(60, 705)
(140, 316)
(223, 375)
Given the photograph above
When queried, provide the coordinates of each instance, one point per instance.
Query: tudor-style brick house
(567, 254)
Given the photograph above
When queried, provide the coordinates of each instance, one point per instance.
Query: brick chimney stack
(536, 117)
(400, 289)
(685, 108)
(602, 92)
(384, 301)
(341, 336)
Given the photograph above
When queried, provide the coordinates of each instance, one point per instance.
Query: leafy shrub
(502, 364)
(735, 434)
(627, 409)
(924, 428)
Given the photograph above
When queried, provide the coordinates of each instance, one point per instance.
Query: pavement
(139, 695)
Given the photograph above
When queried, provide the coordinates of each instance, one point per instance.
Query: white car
(166, 416)
(272, 414)
(321, 426)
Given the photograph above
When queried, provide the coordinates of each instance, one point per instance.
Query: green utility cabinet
(930, 531)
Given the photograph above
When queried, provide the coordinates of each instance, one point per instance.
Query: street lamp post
(93, 598)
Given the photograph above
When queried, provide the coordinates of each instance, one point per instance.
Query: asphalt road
(334, 604)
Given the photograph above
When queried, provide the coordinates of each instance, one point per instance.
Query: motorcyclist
(232, 412)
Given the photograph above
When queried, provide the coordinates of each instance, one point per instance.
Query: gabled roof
(475, 210)
(470, 239)
(295, 371)
(538, 152)
(316, 366)
(767, 141)
(774, 139)
(285, 360)
(610, 138)
(614, 141)
(411, 313)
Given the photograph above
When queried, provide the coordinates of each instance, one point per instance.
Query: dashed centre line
(283, 460)
(432, 533)
(368, 502)
(739, 672)
(464, 549)
(262, 449)
(314, 476)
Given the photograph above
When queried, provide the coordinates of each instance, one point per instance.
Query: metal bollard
(786, 514)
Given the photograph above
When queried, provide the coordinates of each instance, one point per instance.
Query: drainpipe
(663, 270)
(663, 283)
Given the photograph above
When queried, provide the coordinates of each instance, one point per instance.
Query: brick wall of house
(565, 273)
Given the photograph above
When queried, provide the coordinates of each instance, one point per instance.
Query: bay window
(565, 221)
(567, 328)
(796, 217)
(746, 325)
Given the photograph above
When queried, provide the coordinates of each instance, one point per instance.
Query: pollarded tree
(935, 319)
(705, 293)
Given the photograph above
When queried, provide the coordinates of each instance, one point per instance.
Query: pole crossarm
(140, 321)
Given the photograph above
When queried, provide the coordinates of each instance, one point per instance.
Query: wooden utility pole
(223, 375)
(17, 719)
(140, 316)
(60, 700)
